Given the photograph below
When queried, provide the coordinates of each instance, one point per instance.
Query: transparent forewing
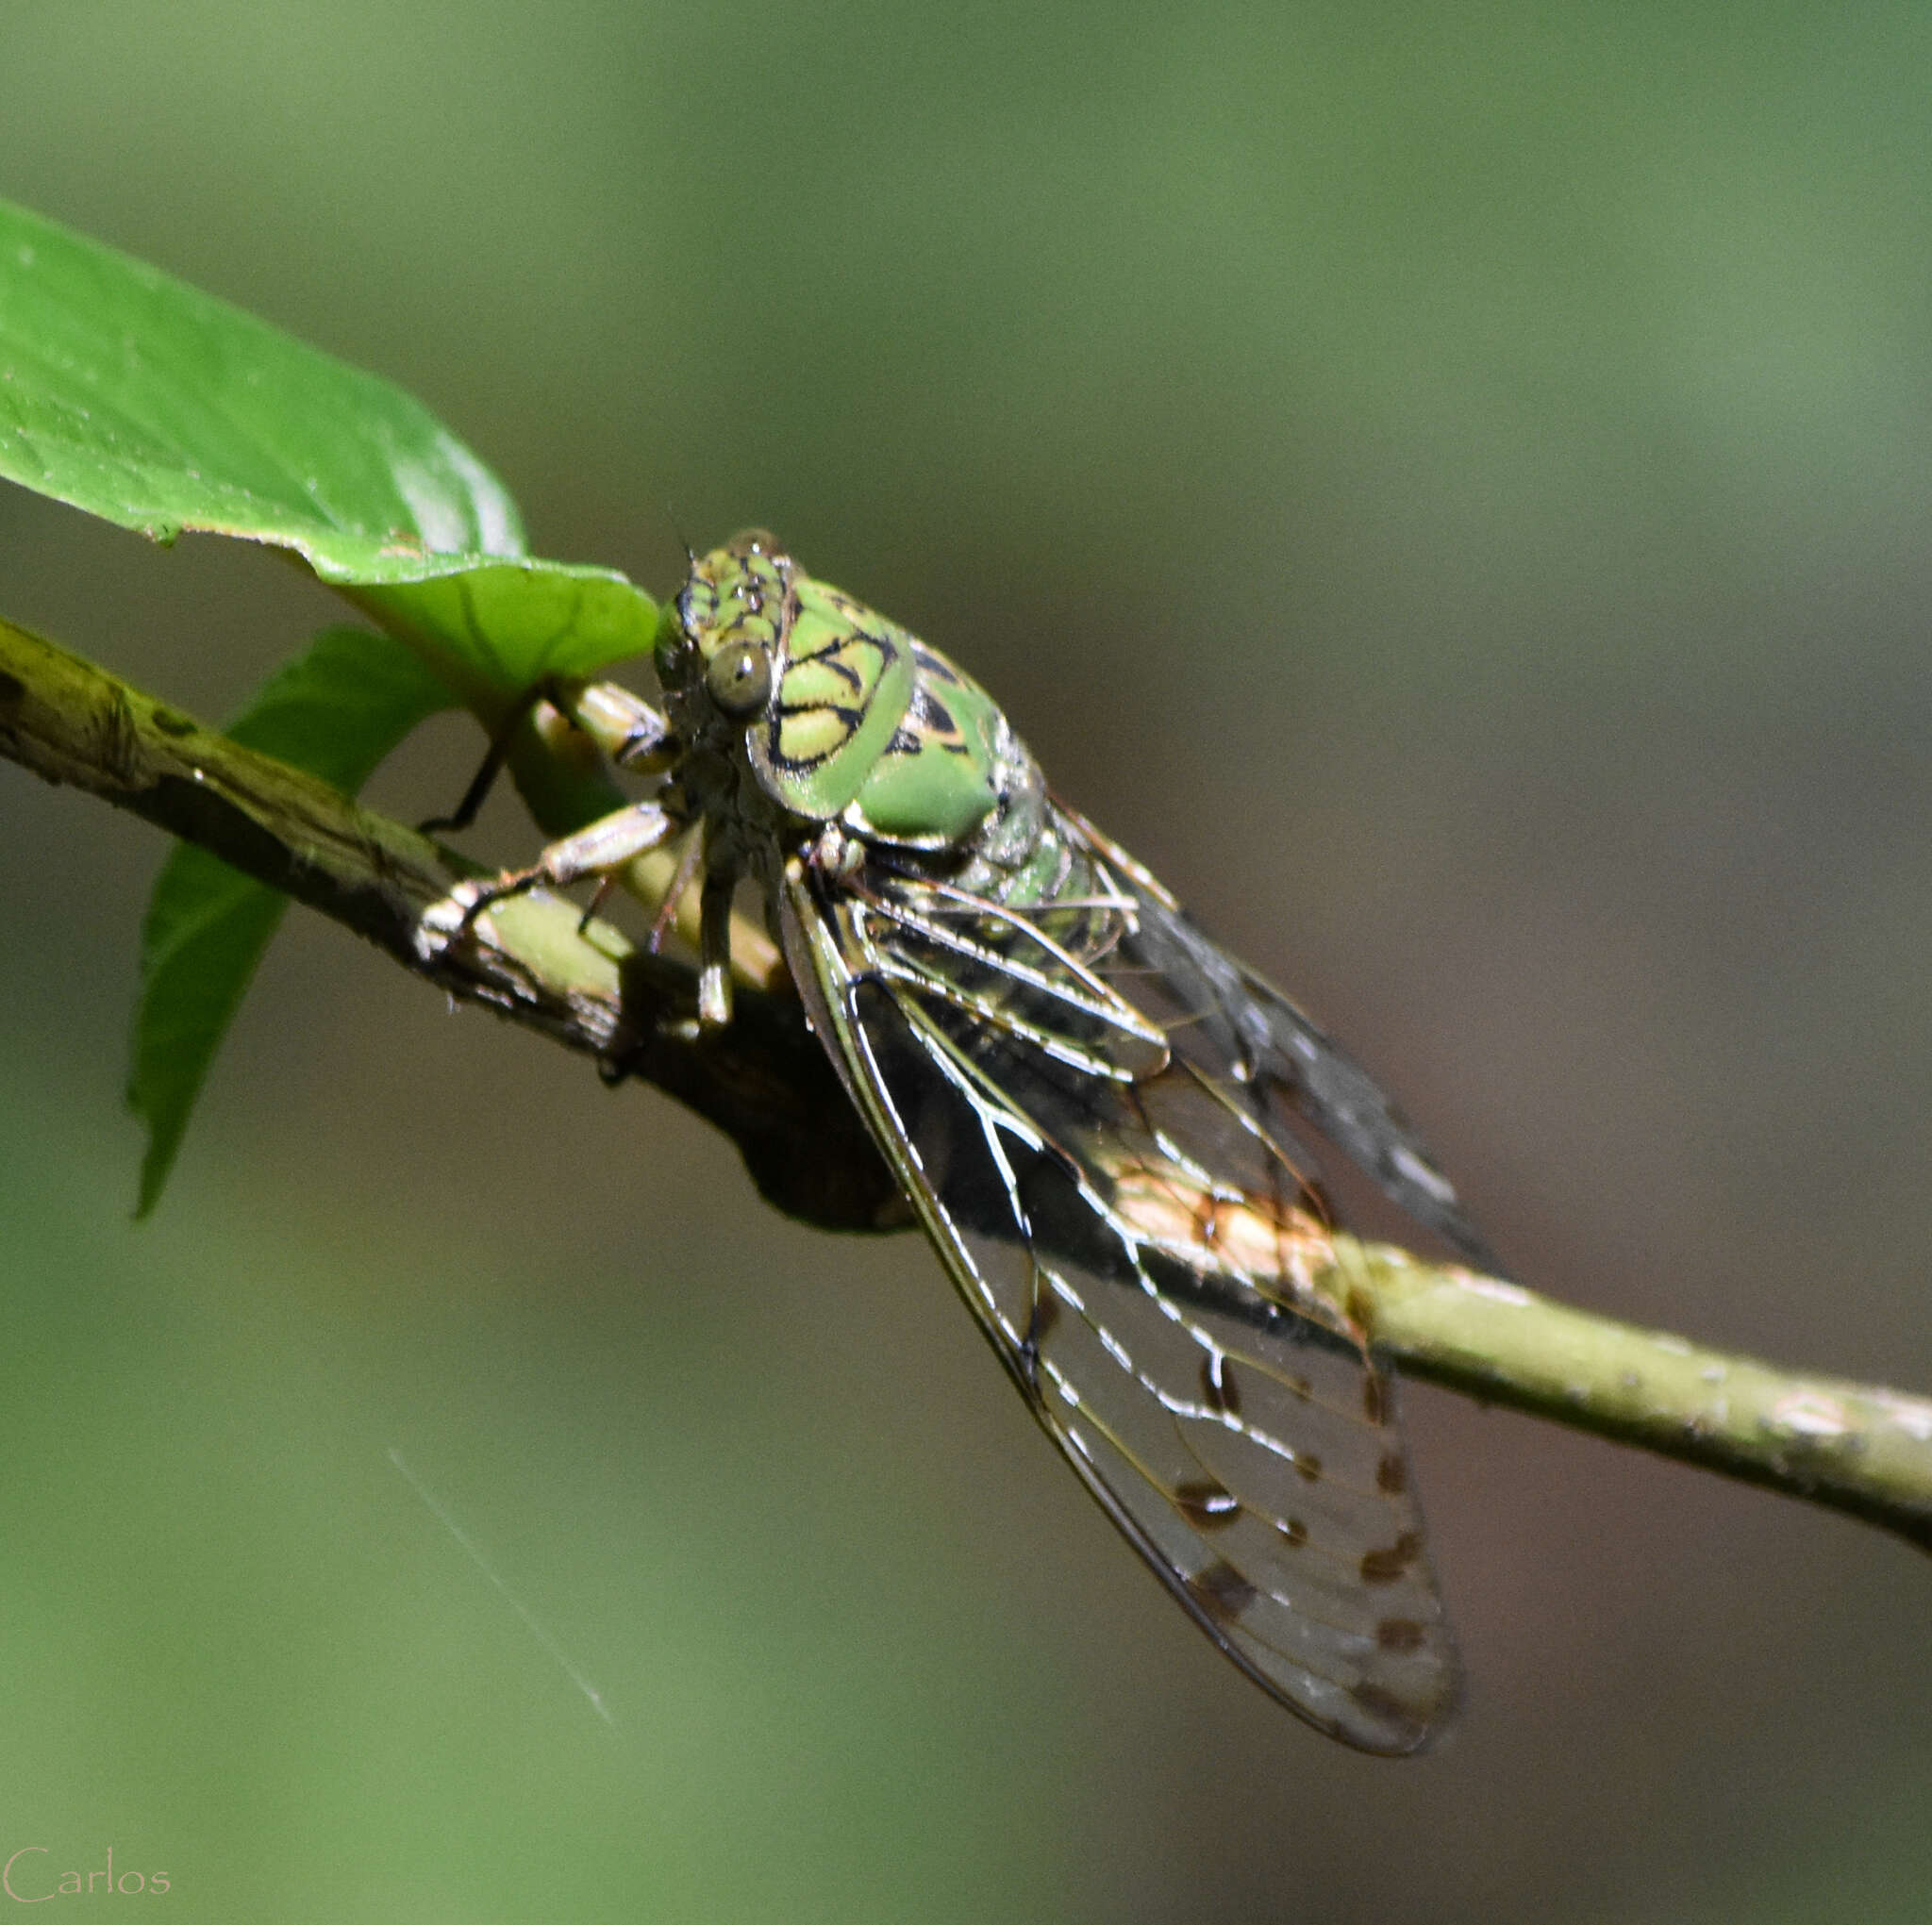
(1141, 1253)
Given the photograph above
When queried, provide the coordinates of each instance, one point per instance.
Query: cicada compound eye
(739, 679)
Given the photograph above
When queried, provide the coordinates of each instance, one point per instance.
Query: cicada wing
(1157, 1319)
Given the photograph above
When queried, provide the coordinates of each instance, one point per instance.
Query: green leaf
(137, 398)
(336, 710)
(144, 401)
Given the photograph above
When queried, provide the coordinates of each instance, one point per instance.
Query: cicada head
(721, 644)
(807, 686)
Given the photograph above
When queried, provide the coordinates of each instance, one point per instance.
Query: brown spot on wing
(1309, 1466)
(1387, 1566)
(1375, 1397)
(1207, 1505)
(1392, 1474)
(1294, 1533)
(1380, 1702)
(1400, 1634)
(1222, 1592)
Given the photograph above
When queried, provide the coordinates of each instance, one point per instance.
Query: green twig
(765, 1081)
(1854, 1447)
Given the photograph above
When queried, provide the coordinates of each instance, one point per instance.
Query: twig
(1856, 1447)
(765, 1081)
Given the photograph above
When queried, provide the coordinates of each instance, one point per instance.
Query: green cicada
(1097, 1113)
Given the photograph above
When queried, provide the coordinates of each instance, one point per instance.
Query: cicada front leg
(632, 735)
(635, 736)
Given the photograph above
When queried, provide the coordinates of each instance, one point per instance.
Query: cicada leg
(714, 949)
(488, 770)
(633, 735)
(680, 882)
(624, 725)
(599, 850)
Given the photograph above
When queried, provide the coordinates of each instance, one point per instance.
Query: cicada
(1104, 1121)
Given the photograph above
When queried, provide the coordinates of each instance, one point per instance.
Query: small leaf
(336, 710)
(137, 398)
(492, 630)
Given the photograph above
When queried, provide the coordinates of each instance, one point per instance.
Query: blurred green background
(1448, 486)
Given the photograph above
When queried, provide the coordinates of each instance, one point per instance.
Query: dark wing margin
(1140, 1258)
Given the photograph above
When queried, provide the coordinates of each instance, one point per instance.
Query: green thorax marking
(939, 776)
(846, 682)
